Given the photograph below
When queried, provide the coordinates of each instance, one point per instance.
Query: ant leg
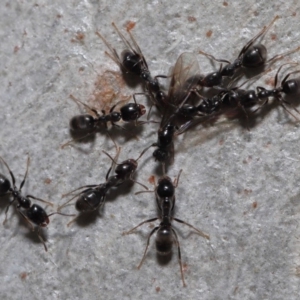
(24, 179)
(41, 239)
(140, 192)
(148, 241)
(197, 230)
(213, 58)
(81, 138)
(176, 180)
(10, 172)
(63, 205)
(72, 221)
(179, 257)
(25, 218)
(282, 102)
(44, 201)
(115, 57)
(134, 228)
(6, 210)
(85, 105)
(253, 40)
(282, 55)
(288, 75)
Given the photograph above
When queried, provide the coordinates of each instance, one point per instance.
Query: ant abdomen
(132, 62)
(255, 56)
(91, 200)
(132, 111)
(37, 215)
(4, 185)
(163, 241)
(291, 86)
(82, 123)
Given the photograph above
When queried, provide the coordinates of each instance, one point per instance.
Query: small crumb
(130, 25)
(209, 33)
(294, 14)
(81, 69)
(247, 192)
(80, 36)
(58, 16)
(23, 275)
(152, 179)
(191, 19)
(270, 81)
(225, 3)
(47, 181)
(273, 37)
(254, 204)
(157, 289)
(16, 49)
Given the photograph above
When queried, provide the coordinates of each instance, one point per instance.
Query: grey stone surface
(239, 186)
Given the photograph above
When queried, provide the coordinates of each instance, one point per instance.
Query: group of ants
(178, 113)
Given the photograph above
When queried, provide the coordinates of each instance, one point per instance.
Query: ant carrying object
(183, 84)
(87, 123)
(165, 233)
(251, 56)
(32, 213)
(93, 196)
(133, 61)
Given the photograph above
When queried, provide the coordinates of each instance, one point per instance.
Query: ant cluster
(180, 109)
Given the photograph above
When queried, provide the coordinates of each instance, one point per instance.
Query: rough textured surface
(239, 186)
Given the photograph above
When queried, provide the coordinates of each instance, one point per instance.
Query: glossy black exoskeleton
(93, 196)
(32, 213)
(133, 61)
(165, 233)
(129, 112)
(251, 56)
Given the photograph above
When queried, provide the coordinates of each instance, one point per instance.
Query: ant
(165, 233)
(87, 123)
(133, 61)
(32, 213)
(251, 56)
(248, 98)
(93, 196)
(183, 84)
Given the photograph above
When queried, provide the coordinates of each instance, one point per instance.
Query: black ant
(166, 234)
(183, 84)
(248, 98)
(32, 213)
(133, 61)
(87, 123)
(251, 56)
(93, 196)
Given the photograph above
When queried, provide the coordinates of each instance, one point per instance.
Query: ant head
(5, 185)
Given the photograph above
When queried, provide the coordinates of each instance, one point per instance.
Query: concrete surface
(239, 186)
